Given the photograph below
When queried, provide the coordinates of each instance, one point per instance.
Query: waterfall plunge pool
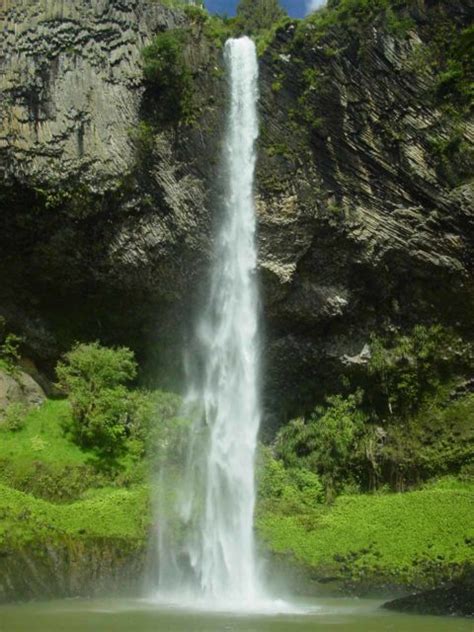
(349, 615)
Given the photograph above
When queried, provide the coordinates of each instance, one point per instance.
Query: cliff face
(361, 226)
(98, 239)
(362, 229)
(75, 568)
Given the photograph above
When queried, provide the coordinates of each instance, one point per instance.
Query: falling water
(215, 559)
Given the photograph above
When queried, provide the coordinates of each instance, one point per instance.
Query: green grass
(41, 459)
(54, 492)
(43, 438)
(111, 513)
(414, 538)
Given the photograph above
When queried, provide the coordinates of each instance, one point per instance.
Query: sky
(295, 8)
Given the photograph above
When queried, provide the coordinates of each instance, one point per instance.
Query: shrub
(159, 425)
(168, 76)
(324, 443)
(353, 16)
(455, 79)
(94, 378)
(254, 16)
(286, 490)
(14, 417)
(9, 349)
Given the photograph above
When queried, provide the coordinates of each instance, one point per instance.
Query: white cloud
(312, 5)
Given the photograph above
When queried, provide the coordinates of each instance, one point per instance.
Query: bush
(325, 443)
(403, 370)
(286, 490)
(168, 76)
(353, 16)
(455, 79)
(94, 378)
(14, 417)
(9, 349)
(254, 16)
(159, 425)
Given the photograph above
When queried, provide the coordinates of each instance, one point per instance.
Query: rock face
(92, 232)
(454, 599)
(20, 388)
(73, 569)
(360, 229)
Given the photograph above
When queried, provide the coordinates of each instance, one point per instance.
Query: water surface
(349, 615)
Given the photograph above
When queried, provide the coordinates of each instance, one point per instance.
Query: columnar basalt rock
(99, 224)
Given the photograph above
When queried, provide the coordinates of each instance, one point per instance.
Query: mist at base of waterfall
(347, 615)
(194, 603)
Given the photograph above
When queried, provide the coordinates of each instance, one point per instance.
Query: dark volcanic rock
(72, 569)
(455, 599)
(359, 229)
(99, 238)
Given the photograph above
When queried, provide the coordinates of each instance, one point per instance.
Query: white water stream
(214, 563)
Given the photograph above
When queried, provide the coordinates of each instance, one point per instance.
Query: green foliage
(314, 85)
(417, 538)
(454, 156)
(456, 76)
(40, 458)
(9, 349)
(218, 29)
(103, 409)
(286, 490)
(95, 368)
(108, 513)
(352, 16)
(325, 442)
(143, 136)
(162, 428)
(411, 423)
(406, 368)
(438, 440)
(254, 16)
(14, 417)
(169, 77)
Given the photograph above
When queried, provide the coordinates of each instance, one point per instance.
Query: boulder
(19, 388)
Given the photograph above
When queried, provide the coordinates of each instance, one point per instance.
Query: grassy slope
(40, 459)
(405, 538)
(42, 438)
(114, 513)
(39, 463)
(412, 538)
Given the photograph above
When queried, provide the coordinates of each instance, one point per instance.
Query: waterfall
(215, 558)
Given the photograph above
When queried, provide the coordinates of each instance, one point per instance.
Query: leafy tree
(324, 443)
(94, 379)
(258, 15)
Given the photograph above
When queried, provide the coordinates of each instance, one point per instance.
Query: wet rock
(19, 388)
(454, 599)
(80, 568)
